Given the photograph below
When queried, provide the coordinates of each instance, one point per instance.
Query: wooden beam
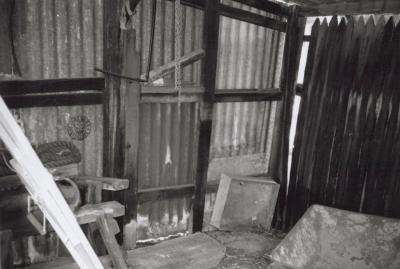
(250, 17)
(112, 60)
(169, 68)
(268, 6)
(6, 53)
(46, 86)
(130, 123)
(45, 100)
(293, 45)
(351, 8)
(210, 45)
(161, 193)
(247, 95)
(108, 183)
(6, 253)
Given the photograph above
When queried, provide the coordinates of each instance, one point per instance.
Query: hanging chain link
(178, 39)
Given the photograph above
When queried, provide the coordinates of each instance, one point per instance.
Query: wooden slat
(22, 87)
(76, 99)
(253, 18)
(247, 95)
(161, 193)
(108, 183)
(210, 45)
(293, 42)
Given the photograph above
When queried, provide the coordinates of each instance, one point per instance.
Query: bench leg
(108, 227)
(6, 258)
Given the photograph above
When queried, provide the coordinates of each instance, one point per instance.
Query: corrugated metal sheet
(250, 57)
(168, 138)
(167, 156)
(164, 41)
(58, 39)
(61, 39)
(240, 128)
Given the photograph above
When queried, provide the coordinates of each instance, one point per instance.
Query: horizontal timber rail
(161, 193)
(270, 7)
(247, 95)
(250, 17)
(52, 92)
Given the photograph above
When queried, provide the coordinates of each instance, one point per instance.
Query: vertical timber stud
(112, 60)
(210, 45)
(121, 114)
(130, 94)
(291, 59)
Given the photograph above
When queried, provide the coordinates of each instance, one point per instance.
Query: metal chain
(178, 39)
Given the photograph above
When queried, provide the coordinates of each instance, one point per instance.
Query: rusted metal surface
(58, 39)
(167, 157)
(330, 238)
(346, 146)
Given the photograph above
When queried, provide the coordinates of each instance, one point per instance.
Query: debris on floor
(246, 250)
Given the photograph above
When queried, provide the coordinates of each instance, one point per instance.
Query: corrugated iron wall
(58, 39)
(168, 132)
(250, 57)
(61, 39)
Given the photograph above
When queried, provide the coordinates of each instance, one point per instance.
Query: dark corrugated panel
(346, 151)
(58, 39)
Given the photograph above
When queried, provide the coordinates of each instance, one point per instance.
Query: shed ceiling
(348, 7)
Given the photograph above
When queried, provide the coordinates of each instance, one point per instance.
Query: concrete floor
(246, 250)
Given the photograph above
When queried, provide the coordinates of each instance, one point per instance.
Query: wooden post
(131, 121)
(6, 257)
(291, 58)
(210, 45)
(5, 44)
(112, 61)
(121, 114)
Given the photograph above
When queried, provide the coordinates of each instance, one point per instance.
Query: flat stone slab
(329, 238)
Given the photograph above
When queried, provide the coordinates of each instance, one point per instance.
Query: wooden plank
(293, 41)
(193, 251)
(210, 45)
(250, 17)
(130, 121)
(88, 213)
(22, 87)
(247, 95)
(6, 53)
(161, 193)
(71, 99)
(108, 183)
(169, 68)
(6, 253)
(112, 60)
(104, 223)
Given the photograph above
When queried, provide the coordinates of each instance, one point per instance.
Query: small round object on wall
(79, 127)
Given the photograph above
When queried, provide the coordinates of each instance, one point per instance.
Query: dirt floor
(246, 250)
